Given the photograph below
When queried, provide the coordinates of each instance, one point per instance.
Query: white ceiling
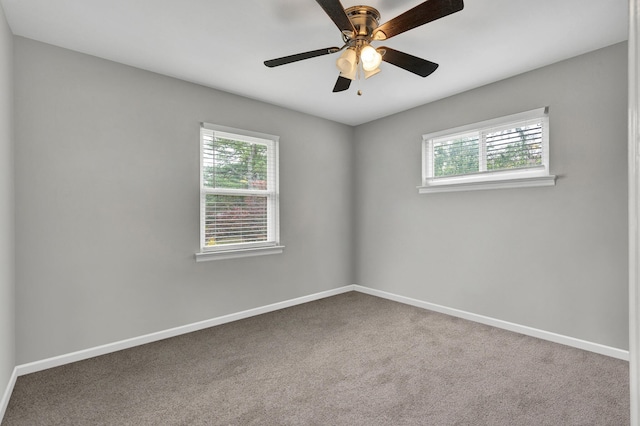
(222, 44)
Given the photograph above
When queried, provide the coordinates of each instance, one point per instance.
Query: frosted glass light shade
(346, 63)
(371, 73)
(371, 59)
(351, 75)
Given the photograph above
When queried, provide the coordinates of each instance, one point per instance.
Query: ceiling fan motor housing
(365, 20)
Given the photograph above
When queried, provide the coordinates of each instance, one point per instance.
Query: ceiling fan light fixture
(351, 75)
(371, 59)
(371, 73)
(347, 62)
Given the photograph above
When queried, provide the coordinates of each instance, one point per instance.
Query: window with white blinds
(238, 190)
(504, 152)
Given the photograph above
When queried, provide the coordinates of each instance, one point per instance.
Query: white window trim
(272, 246)
(238, 253)
(514, 178)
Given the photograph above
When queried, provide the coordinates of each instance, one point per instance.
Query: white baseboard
(522, 329)
(44, 364)
(33, 367)
(4, 402)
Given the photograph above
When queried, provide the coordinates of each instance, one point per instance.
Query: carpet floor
(350, 359)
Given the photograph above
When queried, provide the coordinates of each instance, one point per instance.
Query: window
(238, 193)
(506, 152)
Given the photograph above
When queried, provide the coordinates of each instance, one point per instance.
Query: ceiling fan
(359, 26)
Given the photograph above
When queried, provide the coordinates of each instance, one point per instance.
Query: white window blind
(239, 189)
(515, 147)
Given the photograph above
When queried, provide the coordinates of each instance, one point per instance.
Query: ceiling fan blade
(411, 63)
(336, 12)
(300, 56)
(425, 12)
(342, 84)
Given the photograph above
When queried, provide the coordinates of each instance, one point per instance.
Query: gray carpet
(351, 359)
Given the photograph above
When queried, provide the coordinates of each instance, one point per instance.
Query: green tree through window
(512, 148)
(456, 157)
(235, 165)
(503, 152)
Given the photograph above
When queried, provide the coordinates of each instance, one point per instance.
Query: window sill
(525, 182)
(238, 253)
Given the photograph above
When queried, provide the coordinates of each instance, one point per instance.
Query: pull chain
(358, 77)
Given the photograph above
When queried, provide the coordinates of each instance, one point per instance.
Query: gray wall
(552, 258)
(7, 329)
(107, 206)
(106, 189)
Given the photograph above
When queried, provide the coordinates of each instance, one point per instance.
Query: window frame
(505, 178)
(272, 194)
